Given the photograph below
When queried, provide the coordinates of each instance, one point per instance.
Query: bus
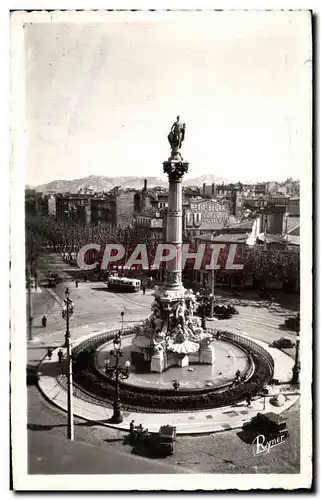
(118, 284)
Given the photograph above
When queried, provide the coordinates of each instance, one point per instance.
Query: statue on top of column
(177, 133)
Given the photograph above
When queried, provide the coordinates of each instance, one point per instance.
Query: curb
(124, 426)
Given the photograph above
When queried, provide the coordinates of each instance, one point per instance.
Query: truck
(166, 439)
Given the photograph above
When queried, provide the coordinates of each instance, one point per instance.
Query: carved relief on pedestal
(175, 212)
(173, 277)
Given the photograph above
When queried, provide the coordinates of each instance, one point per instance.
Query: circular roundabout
(201, 387)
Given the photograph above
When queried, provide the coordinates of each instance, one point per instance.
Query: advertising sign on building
(206, 215)
(157, 223)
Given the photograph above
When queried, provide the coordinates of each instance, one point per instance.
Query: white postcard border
(23, 481)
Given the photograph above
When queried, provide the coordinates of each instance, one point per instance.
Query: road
(227, 452)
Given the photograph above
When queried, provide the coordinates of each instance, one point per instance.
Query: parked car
(283, 343)
(55, 276)
(51, 283)
(270, 424)
(293, 323)
(166, 439)
(219, 311)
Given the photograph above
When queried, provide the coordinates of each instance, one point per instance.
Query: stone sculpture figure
(190, 300)
(177, 133)
(205, 342)
(180, 314)
(180, 335)
(156, 309)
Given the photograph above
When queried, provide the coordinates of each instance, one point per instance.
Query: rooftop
(272, 238)
(295, 231)
(293, 240)
(243, 225)
(224, 238)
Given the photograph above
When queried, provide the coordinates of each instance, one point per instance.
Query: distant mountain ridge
(102, 183)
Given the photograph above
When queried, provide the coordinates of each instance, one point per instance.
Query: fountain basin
(218, 375)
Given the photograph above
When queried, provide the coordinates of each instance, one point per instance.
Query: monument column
(175, 172)
(175, 167)
(172, 335)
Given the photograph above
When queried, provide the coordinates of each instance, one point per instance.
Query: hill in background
(102, 183)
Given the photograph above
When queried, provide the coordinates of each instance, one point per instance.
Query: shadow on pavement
(52, 369)
(143, 450)
(44, 427)
(41, 427)
(146, 448)
(56, 455)
(31, 375)
(248, 433)
(285, 328)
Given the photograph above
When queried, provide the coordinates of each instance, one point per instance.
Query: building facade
(204, 217)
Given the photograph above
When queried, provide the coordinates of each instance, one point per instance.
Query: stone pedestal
(184, 361)
(207, 355)
(158, 362)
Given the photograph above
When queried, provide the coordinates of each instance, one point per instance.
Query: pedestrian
(60, 355)
(76, 284)
(49, 353)
(131, 427)
(249, 399)
(44, 321)
(143, 289)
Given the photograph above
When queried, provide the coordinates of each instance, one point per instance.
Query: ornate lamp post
(67, 312)
(286, 228)
(212, 294)
(211, 298)
(203, 300)
(29, 304)
(117, 373)
(122, 322)
(296, 367)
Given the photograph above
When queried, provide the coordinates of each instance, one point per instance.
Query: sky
(101, 97)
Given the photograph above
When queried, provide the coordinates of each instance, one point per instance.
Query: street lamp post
(122, 322)
(204, 306)
(68, 310)
(202, 297)
(265, 232)
(296, 367)
(264, 394)
(29, 304)
(212, 293)
(263, 212)
(117, 373)
(286, 229)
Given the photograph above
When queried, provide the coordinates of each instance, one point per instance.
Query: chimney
(204, 188)
(145, 184)
(213, 189)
